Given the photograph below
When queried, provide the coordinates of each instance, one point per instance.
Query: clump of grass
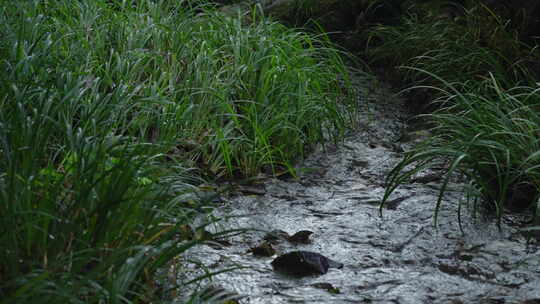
(492, 140)
(271, 92)
(485, 121)
(463, 50)
(82, 212)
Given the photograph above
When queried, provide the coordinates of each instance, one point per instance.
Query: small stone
(301, 236)
(264, 249)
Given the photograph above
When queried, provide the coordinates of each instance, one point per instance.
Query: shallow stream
(397, 258)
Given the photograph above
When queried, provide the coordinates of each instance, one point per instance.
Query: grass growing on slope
(271, 92)
(103, 104)
(486, 120)
(467, 49)
(493, 140)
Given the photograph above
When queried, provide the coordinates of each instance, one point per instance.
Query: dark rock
(264, 249)
(304, 263)
(301, 236)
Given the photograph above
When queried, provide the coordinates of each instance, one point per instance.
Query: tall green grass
(465, 50)
(486, 100)
(493, 141)
(275, 92)
(82, 208)
(110, 110)
(270, 92)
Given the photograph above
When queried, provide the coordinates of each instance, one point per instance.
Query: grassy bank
(482, 81)
(110, 111)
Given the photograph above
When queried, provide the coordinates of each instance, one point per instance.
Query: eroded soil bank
(398, 258)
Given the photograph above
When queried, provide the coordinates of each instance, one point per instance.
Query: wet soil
(397, 258)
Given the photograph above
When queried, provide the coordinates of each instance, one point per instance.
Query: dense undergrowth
(483, 78)
(111, 110)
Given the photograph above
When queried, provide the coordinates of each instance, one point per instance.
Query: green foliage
(464, 49)
(78, 222)
(104, 107)
(272, 92)
(492, 141)
(486, 95)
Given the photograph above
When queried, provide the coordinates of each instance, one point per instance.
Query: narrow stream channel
(398, 258)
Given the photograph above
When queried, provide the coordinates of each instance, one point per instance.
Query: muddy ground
(397, 258)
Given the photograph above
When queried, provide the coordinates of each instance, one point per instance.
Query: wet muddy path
(397, 258)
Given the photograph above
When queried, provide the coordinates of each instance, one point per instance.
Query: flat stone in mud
(301, 236)
(303, 263)
(264, 249)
